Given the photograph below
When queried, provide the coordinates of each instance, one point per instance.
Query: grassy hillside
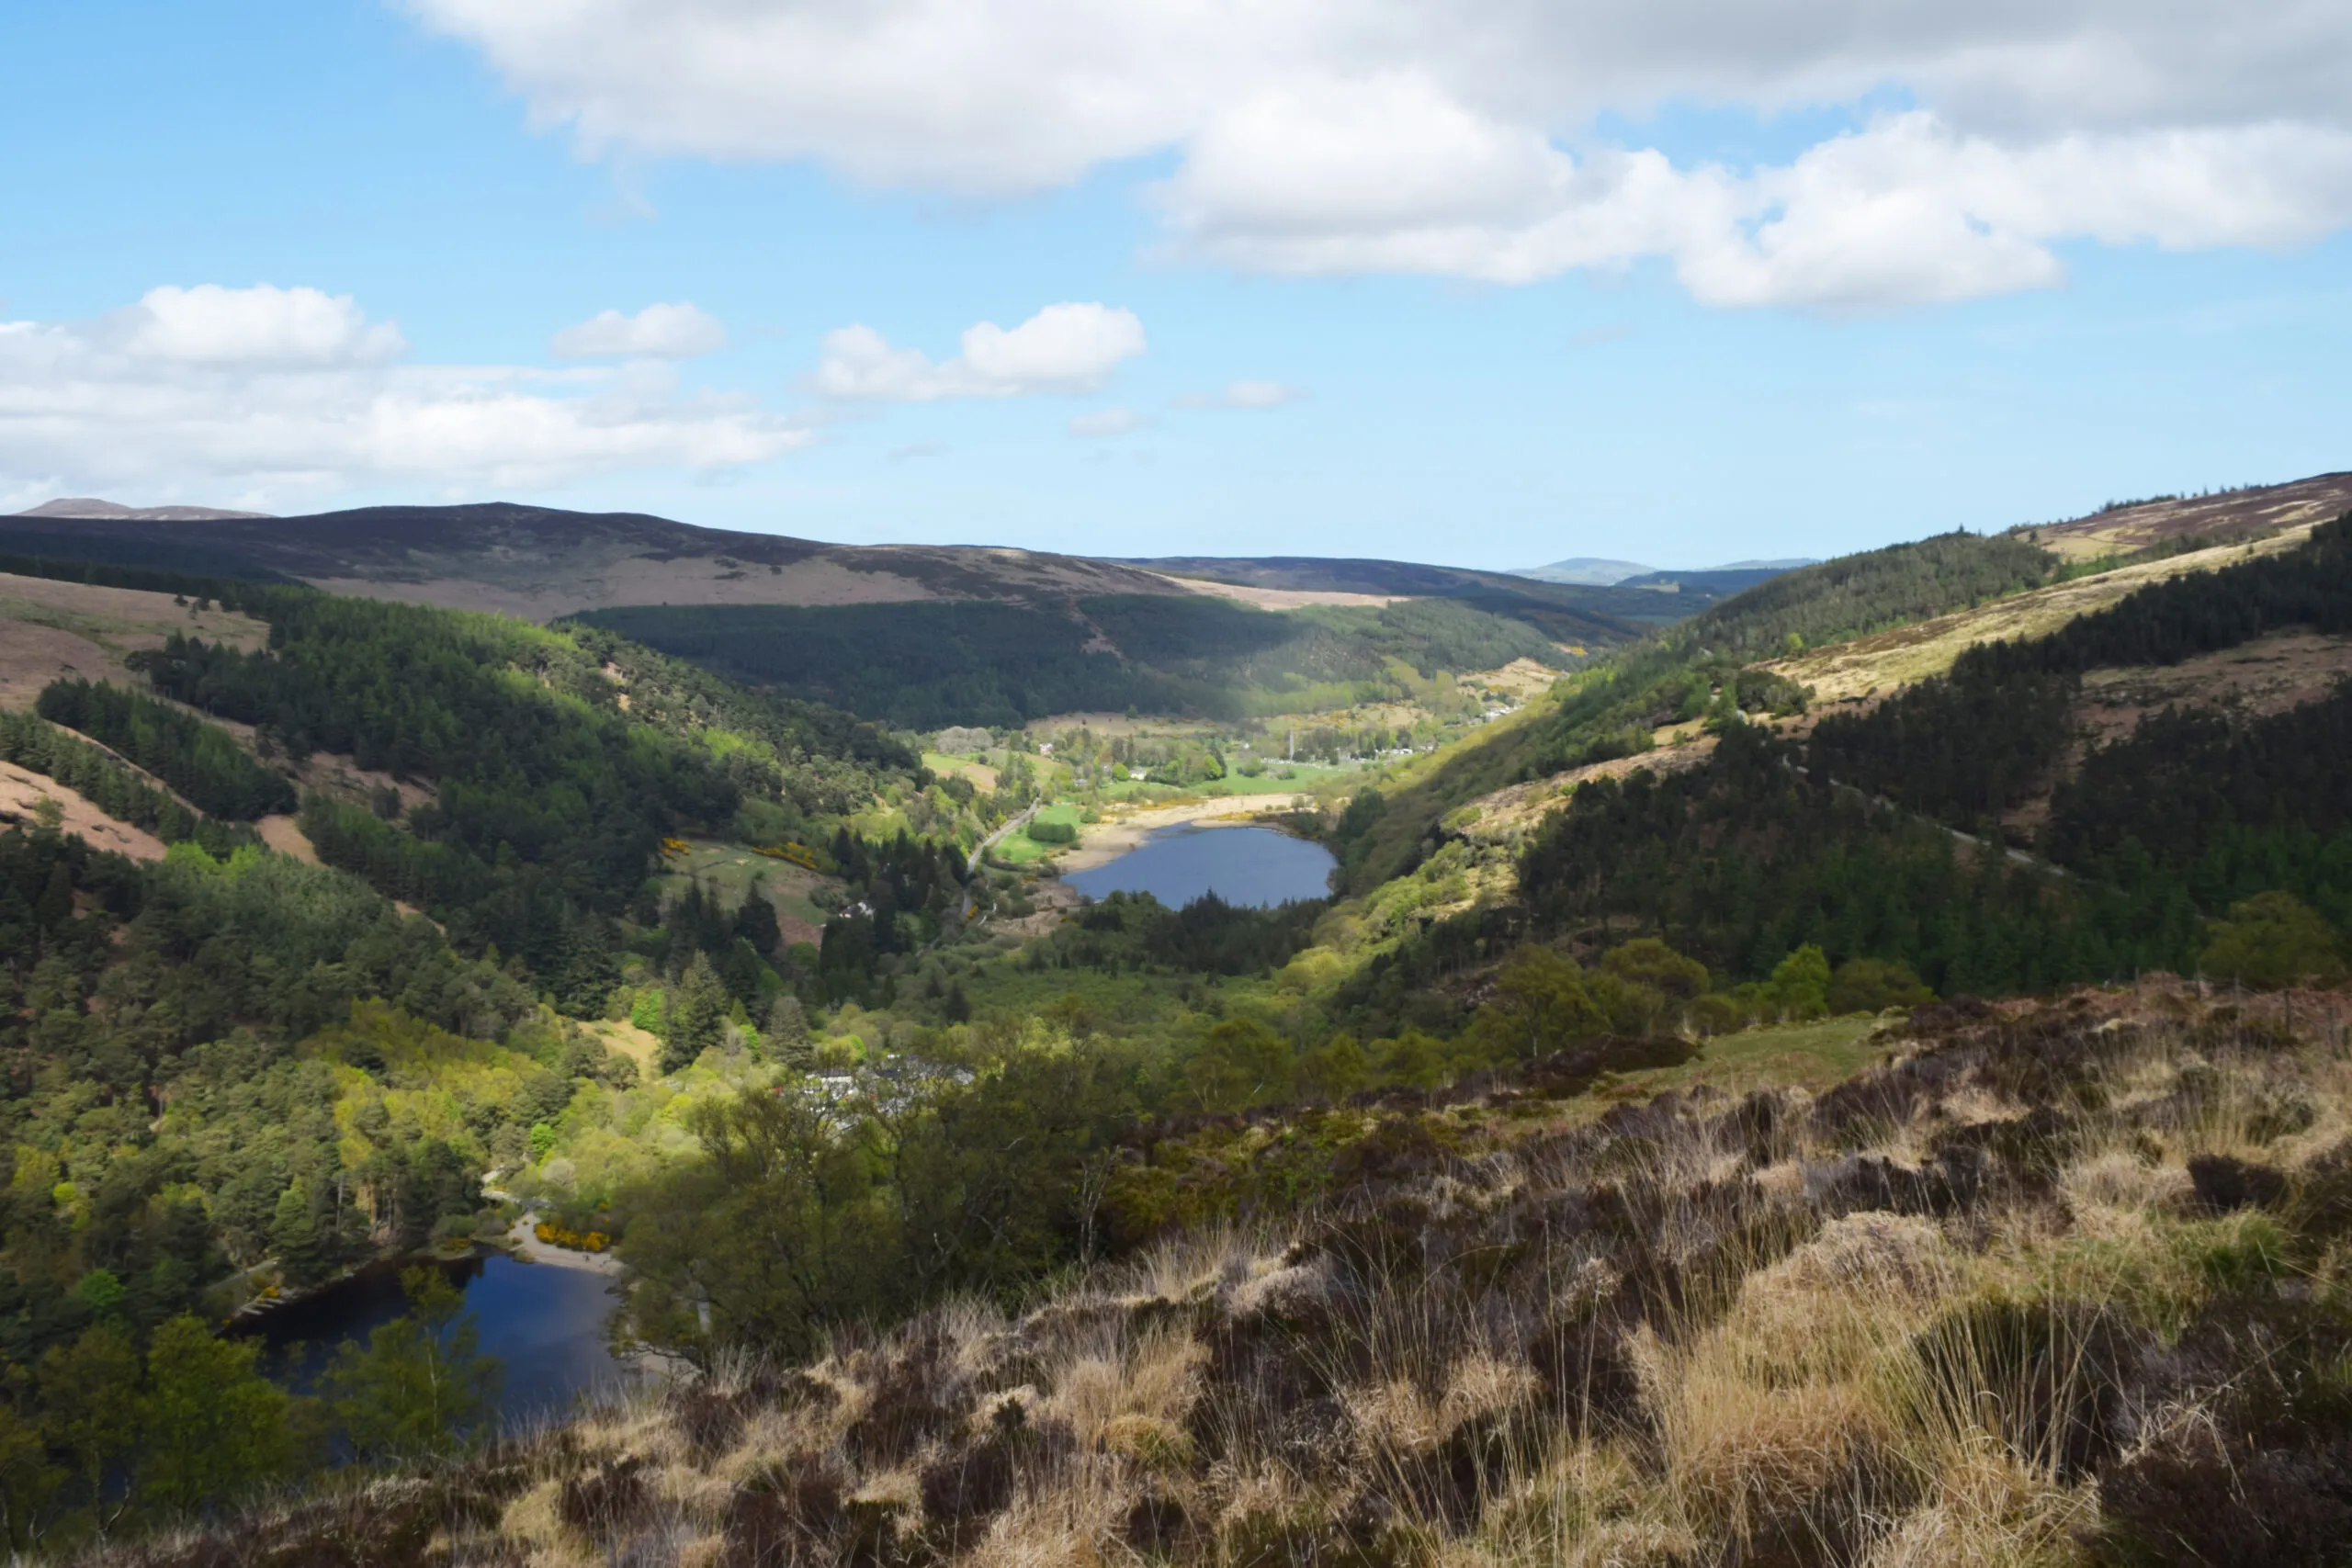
(1898, 657)
(1571, 613)
(2059, 1284)
(1614, 708)
(1839, 631)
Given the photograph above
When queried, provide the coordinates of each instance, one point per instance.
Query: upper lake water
(1241, 865)
(544, 1322)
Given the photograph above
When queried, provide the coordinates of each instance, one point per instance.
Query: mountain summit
(90, 506)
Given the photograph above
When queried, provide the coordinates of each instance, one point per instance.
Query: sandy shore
(526, 1244)
(1103, 842)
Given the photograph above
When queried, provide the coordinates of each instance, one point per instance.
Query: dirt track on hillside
(22, 790)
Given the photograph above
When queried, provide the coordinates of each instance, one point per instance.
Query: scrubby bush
(2274, 940)
(1874, 984)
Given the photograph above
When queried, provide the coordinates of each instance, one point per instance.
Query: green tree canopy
(423, 1386)
(213, 1427)
(1540, 1006)
(2273, 939)
(1241, 1062)
(698, 1019)
(89, 1400)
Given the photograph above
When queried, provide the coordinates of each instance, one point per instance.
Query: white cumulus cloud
(659, 332)
(285, 394)
(1371, 136)
(261, 326)
(1062, 348)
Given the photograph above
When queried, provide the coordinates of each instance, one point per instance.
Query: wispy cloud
(659, 332)
(1107, 422)
(1243, 395)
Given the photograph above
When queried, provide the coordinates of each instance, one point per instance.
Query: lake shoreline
(1102, 842)
(1176, 857)
(522, 1244)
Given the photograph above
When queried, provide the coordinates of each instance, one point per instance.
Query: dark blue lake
(544, 1321)
(1241, 865)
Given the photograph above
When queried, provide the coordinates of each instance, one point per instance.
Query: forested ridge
(1741, 860)
(1857, 594)
(1698, 668)
(927, 664)
(550, 795)
(1879, 836)
(230, 1061)
(197, 760)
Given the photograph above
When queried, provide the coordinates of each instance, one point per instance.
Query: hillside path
(972, 866)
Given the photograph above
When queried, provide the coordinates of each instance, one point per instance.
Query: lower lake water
(1241, 865)
(544, 1321)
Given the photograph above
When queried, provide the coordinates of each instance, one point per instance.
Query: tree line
(198, 760)
(102, 780)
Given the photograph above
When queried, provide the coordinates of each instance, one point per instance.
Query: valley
(1574, 1020)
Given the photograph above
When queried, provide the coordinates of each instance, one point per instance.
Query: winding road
(972, 867)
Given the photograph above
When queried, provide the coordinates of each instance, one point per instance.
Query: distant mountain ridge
(542, 563)
(1597, 572)
(1569, 611)
(84, 506)
(1713, 582)
(1586, 571)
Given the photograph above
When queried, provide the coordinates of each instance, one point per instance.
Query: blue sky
(1608, 293)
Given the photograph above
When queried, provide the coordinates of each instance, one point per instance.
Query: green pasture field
(1020, 849)
(1811, 1056)
(730, 870)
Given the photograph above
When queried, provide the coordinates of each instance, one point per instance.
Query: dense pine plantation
(925, 665)
(117, 790)
(1879, 836)
(1693, 670)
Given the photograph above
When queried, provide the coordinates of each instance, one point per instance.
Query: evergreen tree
(698, 1021)
(294, 1238)
(787, 1034)
(755, 923)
